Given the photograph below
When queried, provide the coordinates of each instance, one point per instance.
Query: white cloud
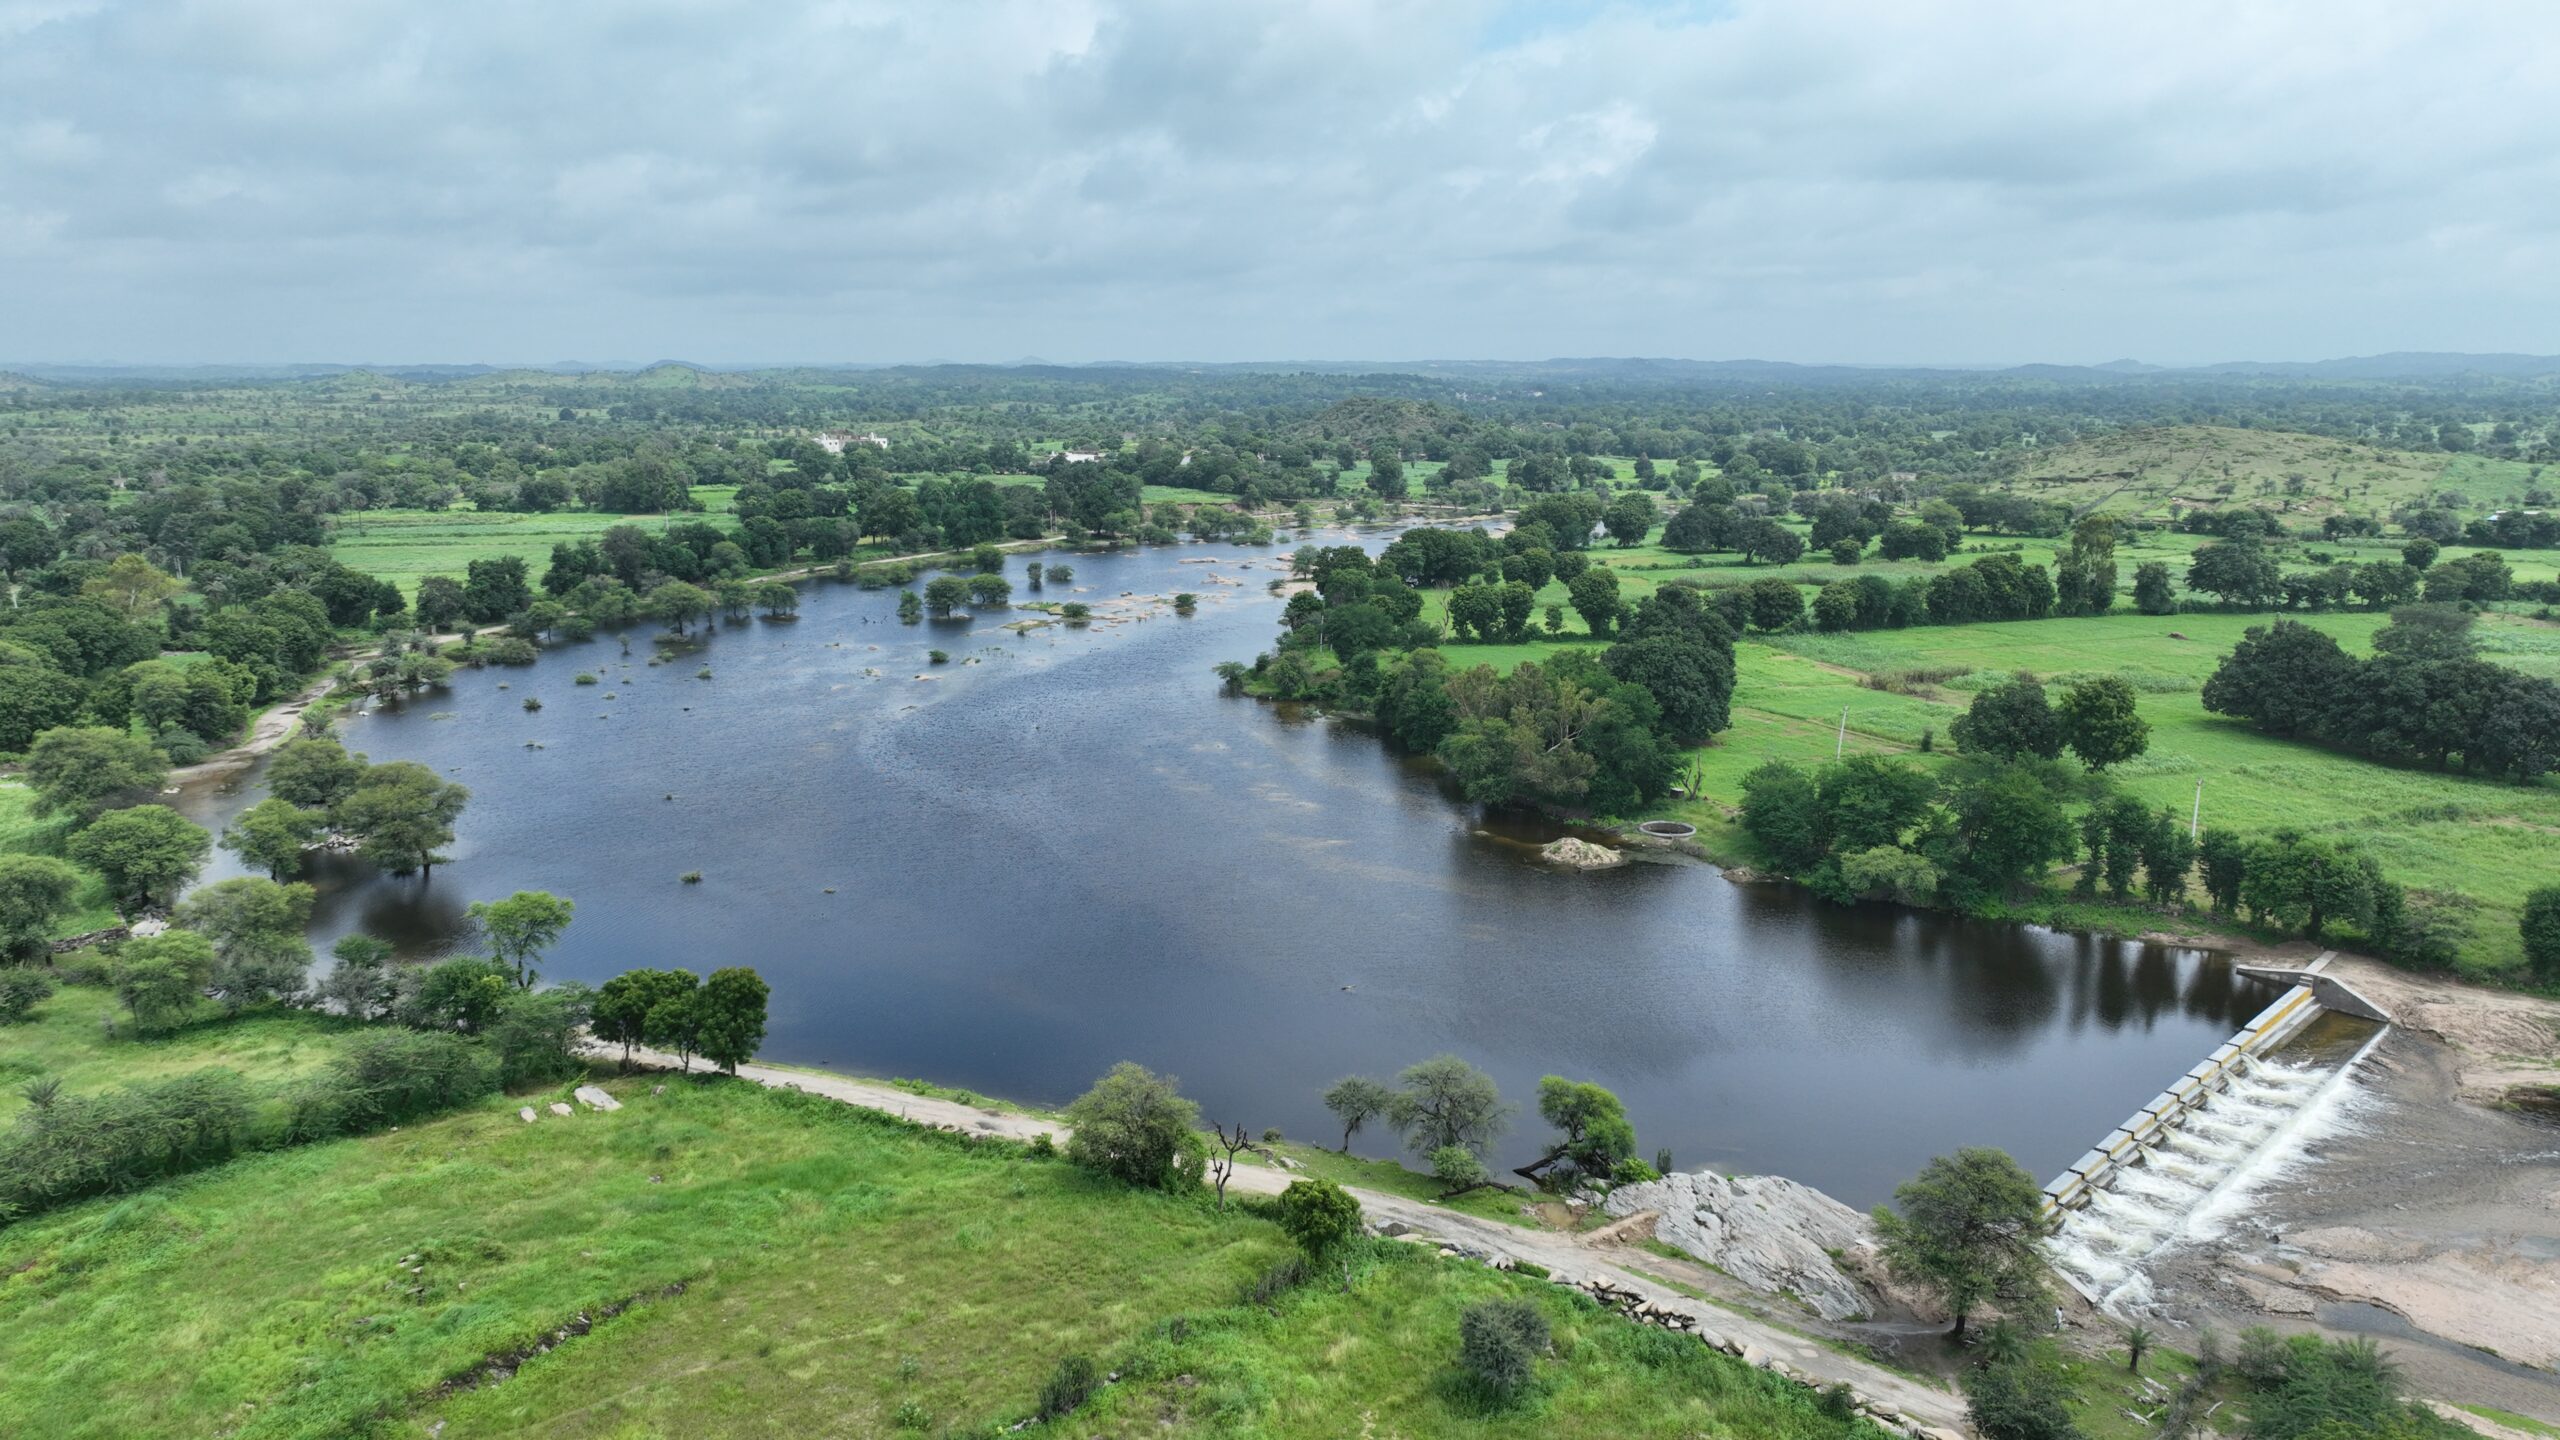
(862, 179)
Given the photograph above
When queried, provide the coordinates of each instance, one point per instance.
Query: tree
(2288, 677)
(35, 699)
(1134, 1125)
(2223, 857)
(2098, 722)
(2151, 592)
(1320, 1216)
(2420, 553)
(944, 594)
(1594, 593)
(1386, 472)
(439, 604)
(2541, 926)
(1775, 604)
(2009, 719)
(361, 985)
(1967, 1229)
(494, 588)
(273, 835)
(464, 994)
(1355, 1100)
(1681, 652)
(133, 586)
(1445, 1101)
(82, 770)
(1783, 811)
(256, 927)
(161, 978)
(1870, 800)
(2020, 1397)
(1630, 518)
(733, 1009)
(911, 607)
(2137, 1341)
(144, 851)
(2238, 570)
(1592, 1130)
(400, 813)
(522, 926)
(1913, 540)
(35, 891)
(680, 604)
(624, 1003)
(1770, 541)
(1499, 1342)
(314, 772)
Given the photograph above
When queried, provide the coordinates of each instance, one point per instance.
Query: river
(1068, 849)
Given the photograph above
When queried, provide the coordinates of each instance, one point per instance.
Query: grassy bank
(791, 1266)
(1899, 689)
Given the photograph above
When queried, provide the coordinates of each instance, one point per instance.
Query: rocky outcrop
(1765, 1230)
(1577, 854)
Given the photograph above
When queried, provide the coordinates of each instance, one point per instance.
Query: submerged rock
(1578, 854)
(1767, 1231)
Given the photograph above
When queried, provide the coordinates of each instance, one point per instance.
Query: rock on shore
(1765, 1230)
(1578, 854)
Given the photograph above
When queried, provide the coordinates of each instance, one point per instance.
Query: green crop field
(404, 546)
(2143, 471)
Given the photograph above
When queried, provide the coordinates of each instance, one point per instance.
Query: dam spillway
(2152, 1180)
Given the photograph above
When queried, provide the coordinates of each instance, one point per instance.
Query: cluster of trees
(1448, 1113)
(398, 814)
(2424, 696)
(1981, 829)
(1579, 731)
(720, 1018)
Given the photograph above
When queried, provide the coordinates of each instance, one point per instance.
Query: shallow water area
(1065, 848)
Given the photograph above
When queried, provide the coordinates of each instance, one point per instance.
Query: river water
(1069, 849)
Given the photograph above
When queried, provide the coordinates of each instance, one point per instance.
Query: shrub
(386, 1077)
(583, 678)
(1068, 1386)
(63, 1147)
(2019, 1399)
(1135, 1126)
(1499, 1342)
(1285, 1275)
(21, 991)
(1319, 1215)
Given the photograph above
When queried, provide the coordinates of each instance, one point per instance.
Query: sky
(1859, 181)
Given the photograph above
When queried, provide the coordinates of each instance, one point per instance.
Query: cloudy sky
(1853, 180)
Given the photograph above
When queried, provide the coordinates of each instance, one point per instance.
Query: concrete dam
(2161, 1175)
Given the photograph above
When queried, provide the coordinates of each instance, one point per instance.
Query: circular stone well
(1668, 829)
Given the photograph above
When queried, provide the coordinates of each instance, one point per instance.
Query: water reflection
(1067, 849)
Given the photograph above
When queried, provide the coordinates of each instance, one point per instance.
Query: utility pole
(2195, 822)
(1840, 743)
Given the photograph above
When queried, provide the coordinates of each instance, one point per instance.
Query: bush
(1285, 1275)
(1133, 1125)
(1068, 1386)
(387, 1077)
(1499, 1342)
(2019, 1399)
(1319, 1215)
(21, 991)
(64, 1147)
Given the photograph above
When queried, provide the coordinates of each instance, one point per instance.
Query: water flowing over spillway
(2199, 1175)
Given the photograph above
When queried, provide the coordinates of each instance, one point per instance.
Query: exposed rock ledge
(1765, 1230)
(1578, 854)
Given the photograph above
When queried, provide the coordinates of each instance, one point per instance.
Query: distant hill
(2398, 365)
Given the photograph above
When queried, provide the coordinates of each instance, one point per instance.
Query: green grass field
(791, 1267)
(404, 546)
(83, 1038)
(2438, 832)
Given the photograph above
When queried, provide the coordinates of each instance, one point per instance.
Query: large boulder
(1765, 1230)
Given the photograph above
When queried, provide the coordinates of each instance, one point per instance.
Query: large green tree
(401, 813)
(2008, 719)
(144, 852)
(82, 770)
(733, 1008)
(2098, 721)
(1443, 1102)
(520, 927)
(1968, 1230)
(35, 892)
(274, 834)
